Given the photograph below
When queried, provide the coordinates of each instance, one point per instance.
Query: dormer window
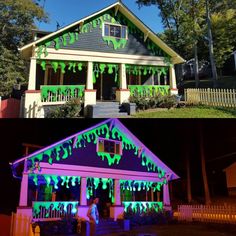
(116, 31)
(109, 146)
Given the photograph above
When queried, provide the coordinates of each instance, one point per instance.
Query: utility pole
(211, 49)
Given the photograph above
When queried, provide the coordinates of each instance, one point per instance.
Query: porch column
(166, 195)
(89, 93)
(83, 207)
(122, 94)
(117, 192)
(116, 210)
(123, 82)
(24, 190)
(173, 86)
(83, 189)
(32, 74)
(89, 81)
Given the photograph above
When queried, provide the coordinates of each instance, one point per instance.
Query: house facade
(106, 161)
(109, 55)
(230, 172)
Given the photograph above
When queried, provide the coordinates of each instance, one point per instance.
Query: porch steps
(107, 110)
(109, 226)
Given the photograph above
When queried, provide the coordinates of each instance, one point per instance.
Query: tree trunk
(211, 48)
(203, 163)
(189, 192)
(196, 68)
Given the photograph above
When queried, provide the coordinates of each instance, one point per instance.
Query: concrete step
(107, 110)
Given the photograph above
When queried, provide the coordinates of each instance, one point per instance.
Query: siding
(93, 41)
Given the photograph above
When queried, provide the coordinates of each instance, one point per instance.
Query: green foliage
(159, 101)
(71, 109)
(148, 218)
(16, 22)
(185, 25)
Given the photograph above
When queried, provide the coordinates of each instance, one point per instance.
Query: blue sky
(67, 11)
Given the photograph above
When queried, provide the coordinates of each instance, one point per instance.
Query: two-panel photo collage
(117, 118)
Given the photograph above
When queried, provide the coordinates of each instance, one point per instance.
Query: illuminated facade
(107, 161)
(109, 55)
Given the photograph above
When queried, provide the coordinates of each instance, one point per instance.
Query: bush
(148, 218)
(72, 109)
(159, 101)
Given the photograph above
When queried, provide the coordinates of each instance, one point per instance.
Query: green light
(50, 206)
(143, 207)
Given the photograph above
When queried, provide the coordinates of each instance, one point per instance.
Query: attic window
(116, 31)
(109, 146)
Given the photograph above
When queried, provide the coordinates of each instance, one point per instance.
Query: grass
(189, 112)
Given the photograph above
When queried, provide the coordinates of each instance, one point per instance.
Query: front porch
(52, 198)
(55, 82)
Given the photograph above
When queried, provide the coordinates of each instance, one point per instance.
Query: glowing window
(109, 146)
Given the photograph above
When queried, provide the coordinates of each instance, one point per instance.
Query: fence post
(37, 231)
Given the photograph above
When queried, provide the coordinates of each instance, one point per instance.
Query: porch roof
(26, 50)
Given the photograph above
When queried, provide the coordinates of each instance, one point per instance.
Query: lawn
(189, 112)
(193, 229)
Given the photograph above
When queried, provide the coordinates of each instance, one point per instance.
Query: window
(116, 31)
(109, 146)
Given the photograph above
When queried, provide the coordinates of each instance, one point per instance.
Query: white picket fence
(22, 226)
(204, 213)
(211, 97)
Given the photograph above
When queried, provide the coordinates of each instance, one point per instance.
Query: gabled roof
(112, 123)
(126, 12)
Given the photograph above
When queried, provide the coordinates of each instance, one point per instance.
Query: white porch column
(173, 86)
(83, 189)
(117, 210)
(89, 93)
(166, 195)
(89, 81)
(122, 94)
(117, 192)
(24, 190)
(32, 74)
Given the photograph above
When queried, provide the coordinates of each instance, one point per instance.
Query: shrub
(159, 101)
(72, 109)
(148, 218)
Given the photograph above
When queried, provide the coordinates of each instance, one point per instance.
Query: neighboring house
(230, 172)
(107, 161)
(108, 55)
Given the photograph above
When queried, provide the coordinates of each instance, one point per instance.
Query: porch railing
(54, 210)
(61, 93)
(148, 90)
(143, 206)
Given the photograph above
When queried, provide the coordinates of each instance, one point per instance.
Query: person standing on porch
(93, 216)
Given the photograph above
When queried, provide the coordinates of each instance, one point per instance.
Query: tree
(16, 23)
(182, 20)
(203, 164)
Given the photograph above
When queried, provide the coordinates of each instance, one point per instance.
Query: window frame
(110, 140)
(114, 24)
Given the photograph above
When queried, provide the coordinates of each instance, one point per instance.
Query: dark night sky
(171, 140)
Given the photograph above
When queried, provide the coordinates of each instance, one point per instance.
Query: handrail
(148, 90)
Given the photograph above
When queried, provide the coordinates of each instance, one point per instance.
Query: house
(105, 160)
(109, 55)
(230, 172)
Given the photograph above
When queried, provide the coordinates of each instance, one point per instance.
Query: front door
(106, 85)
(104, 201)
